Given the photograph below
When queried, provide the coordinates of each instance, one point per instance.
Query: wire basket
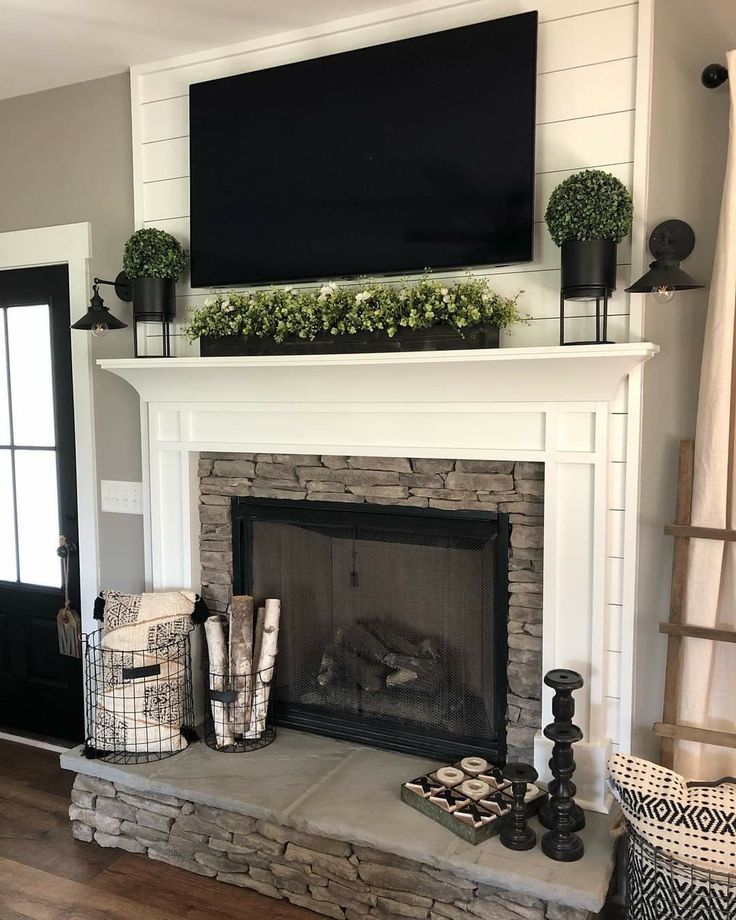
(237, 712)
(139, 704)
(661, 887)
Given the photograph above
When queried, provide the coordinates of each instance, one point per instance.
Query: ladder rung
(700, 533)
(689, 733)
(698, 632)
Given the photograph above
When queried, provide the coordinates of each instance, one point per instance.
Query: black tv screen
(386, 160)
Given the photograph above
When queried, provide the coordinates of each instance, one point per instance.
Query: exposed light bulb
(662, 293)
(99, 329)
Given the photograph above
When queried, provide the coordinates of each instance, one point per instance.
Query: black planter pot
(588, 269)
(154, 298)
(438, 338)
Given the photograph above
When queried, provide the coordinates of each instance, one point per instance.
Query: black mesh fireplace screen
(394, 621)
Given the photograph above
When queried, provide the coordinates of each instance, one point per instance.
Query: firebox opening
(394, 620)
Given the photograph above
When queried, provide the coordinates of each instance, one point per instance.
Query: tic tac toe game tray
(470, 798)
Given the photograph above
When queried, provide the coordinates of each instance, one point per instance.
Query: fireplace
(394, 620)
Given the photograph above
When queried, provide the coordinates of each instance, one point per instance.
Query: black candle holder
(561, 843)
(516, 833)
(563, 682)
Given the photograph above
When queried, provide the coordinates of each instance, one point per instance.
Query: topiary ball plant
(589, 205)
(153, 253)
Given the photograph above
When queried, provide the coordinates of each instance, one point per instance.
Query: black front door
(40, 689)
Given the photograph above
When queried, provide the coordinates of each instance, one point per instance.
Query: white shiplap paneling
(617, 485)
(613, 628)
(167, 79)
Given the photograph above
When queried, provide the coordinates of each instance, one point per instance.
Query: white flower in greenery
(444, 292)
(208, 301)
(327, 290)
(362, 296)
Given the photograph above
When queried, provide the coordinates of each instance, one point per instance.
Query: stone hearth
(320, 823)
(516, 488)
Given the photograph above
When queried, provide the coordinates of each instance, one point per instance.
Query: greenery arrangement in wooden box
(367, 316)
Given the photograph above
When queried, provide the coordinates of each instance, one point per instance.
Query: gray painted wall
(65, 156)
(688, 136)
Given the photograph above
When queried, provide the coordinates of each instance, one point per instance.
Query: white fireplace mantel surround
(566, 407)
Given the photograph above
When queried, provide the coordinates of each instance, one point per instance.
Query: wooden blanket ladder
(677, 630)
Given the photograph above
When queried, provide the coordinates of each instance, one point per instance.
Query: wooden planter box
(438, 338)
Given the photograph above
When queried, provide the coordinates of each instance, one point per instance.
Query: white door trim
(70, 244)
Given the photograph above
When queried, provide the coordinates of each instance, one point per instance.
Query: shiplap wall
(585, 118)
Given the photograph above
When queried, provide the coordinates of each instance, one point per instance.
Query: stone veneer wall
(478, 485)
(330, 877)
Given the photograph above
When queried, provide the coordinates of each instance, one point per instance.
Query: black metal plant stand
(588, 272)
(601, 320)
(165, 334)
(563, 682)
(516, 833)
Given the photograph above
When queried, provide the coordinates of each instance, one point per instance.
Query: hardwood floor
(47, 875)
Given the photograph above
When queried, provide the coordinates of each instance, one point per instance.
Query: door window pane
(31, 386)
(8, 571)
(4, 413)
(38, 517)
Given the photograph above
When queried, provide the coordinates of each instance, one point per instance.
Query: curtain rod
(713, 76)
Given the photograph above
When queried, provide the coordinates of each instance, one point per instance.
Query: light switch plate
(121, 497)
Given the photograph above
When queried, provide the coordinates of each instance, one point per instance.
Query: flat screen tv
(386, 160)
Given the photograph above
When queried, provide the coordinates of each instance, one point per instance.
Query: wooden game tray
(471, 804)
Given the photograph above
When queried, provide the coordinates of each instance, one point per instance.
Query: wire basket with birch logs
(242, 651)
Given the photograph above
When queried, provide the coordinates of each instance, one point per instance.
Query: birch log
(257, 643)
(265, 667)
(217, 679)
(241, 661)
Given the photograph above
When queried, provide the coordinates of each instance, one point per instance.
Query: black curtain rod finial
(713, 76)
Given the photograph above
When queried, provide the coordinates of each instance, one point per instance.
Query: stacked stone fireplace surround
(455, 485)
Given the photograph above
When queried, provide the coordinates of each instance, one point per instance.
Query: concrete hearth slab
(350, 792)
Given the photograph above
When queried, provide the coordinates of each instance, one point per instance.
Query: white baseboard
(34, 742)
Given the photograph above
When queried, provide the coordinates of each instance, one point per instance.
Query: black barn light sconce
(671, 242)
(98, 319)
(153, 303)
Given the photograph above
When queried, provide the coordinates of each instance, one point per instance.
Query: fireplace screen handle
(354, 578)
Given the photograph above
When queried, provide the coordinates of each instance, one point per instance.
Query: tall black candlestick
(563, 682)
(561, 843)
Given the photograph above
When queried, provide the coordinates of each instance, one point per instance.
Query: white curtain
(708, 689)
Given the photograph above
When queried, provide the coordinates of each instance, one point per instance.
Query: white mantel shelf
(565, 407)
(582, 373)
